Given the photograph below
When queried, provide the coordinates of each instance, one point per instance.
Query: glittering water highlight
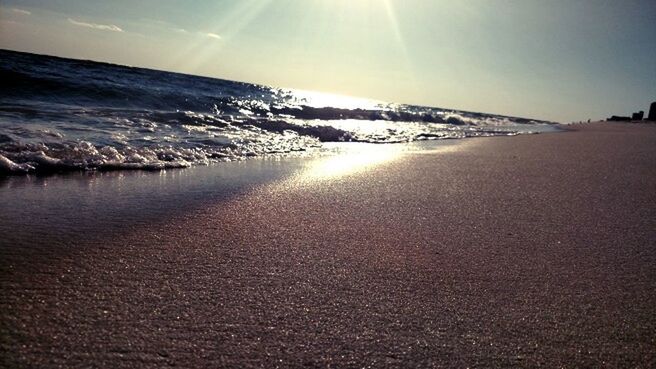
(61, 114)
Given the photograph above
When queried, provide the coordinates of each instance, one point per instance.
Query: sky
(561, 60)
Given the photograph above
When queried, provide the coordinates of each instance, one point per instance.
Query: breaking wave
(60, 114)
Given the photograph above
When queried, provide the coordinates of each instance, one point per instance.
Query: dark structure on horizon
(619, 118)
(638, 116)
(652, 112)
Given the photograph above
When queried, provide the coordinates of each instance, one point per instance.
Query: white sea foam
(58, 114)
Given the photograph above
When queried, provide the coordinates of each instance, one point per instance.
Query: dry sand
(496, 252)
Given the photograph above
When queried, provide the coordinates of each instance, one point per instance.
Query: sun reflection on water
(350, 160)
(345, 159)
(318, 99)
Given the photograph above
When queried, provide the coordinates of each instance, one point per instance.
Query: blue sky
(559, 60)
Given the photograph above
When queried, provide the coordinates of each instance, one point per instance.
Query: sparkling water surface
(61, 114)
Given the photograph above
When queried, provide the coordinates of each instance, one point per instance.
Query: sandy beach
(526, 251)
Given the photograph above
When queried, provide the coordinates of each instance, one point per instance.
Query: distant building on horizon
(652, 112)
(637, 116)
(619, 118)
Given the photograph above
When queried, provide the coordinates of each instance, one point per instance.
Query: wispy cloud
(104, 27)
(21, 11)
(173, 27)
(211, 35)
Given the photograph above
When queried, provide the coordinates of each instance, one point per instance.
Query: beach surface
(526, 251)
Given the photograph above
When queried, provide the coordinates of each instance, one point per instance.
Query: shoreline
(44, 166)
(532, 250)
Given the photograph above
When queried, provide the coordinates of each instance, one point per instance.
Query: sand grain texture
(502, 252)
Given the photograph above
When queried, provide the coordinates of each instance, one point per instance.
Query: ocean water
(68, 115)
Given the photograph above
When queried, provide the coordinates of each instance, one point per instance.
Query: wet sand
(494, 252)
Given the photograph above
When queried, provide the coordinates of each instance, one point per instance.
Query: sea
(59, 115)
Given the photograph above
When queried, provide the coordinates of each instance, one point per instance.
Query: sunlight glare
(227, 26)
(317, 99)
(357, 158)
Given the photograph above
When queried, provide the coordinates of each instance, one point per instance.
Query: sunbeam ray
(400, 43)
(228, 26)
